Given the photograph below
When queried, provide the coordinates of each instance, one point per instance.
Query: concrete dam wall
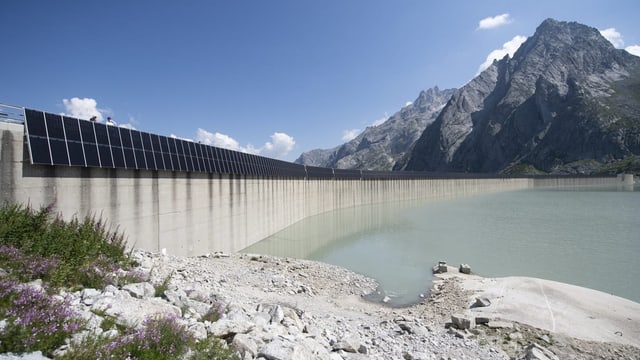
(192, 213)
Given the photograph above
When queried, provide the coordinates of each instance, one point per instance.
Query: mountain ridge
(566, 102)
(553, 108)
(380, 147)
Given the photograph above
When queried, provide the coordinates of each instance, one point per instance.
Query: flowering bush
(158, 338)
(26, 267)
(37, 245)
(32, 319)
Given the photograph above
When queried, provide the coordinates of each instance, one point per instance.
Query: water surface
(587, 236)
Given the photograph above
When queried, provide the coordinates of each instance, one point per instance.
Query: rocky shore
(275, 308)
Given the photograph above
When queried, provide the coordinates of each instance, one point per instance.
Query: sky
(274, 78)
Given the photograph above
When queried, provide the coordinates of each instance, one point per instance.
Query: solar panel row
(62, 140)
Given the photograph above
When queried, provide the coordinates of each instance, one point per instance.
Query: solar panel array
(62, 140)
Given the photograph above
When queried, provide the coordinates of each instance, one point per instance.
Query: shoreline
(332, 304)
(282, 308)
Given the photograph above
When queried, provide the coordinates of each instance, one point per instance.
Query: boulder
(245, 345)
(463, 322)
(286, 349)
(131, 312)
(349, 343)
(481, 302)
(140, 290)
(440, 268)
(537, 352)
(227, 327)
(464, 269)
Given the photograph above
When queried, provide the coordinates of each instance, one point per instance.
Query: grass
(74, 254)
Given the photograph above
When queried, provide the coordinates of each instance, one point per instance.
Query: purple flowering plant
(33, 319)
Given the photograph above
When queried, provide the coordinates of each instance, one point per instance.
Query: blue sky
(272, 77)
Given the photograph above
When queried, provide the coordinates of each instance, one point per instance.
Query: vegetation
(158, 338)
(40, 254)
(523, 169)
(630, 165)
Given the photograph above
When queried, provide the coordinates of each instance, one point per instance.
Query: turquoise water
(587, 236)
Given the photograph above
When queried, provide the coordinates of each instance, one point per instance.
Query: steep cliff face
(380, 147)
(567, 102)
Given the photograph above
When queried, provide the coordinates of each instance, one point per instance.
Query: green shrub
(85, 252)
(163, 286)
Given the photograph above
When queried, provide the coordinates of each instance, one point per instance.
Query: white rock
(140, 290)
(245, 345)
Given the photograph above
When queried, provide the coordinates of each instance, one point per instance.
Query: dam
(186, 198)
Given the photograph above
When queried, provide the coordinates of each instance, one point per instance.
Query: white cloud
(348, 135)
(613, 36)
(381, 120)
(508, 48)
(408, 103)
(633, 49)
(617, 40)
(82, 108)
(494, 22)
(279, 146)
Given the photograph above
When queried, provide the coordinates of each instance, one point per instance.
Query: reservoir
(586, 236)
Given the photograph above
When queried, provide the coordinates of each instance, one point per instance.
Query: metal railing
(12, 114)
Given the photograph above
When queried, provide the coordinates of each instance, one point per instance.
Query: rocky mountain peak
(380, 147)
(556, 102)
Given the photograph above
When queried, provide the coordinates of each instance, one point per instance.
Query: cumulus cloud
(348, 135)
(280, 145)
(617, 40)
(508, 48)
(84, 108)
(408, 103)
(633, 49)
(613, 36)
(494, 21)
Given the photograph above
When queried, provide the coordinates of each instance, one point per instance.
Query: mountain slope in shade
(380, 147)
(567, 102)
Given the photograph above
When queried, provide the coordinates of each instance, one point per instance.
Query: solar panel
(174, 154)
(40, 153)
(136, 139)
(127, 148)
(157, 152)
(102, 137)
(71, 129)
(87, 132)
(106, 161)
(76, 153)
(35, 123)
(57, 143)
(114, 136)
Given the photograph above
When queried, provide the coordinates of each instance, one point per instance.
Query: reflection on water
(586, 236)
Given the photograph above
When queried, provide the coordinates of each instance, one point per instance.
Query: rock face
(567, 102)
(380, 147)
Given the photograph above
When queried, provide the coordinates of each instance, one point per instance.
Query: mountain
(567, 102)
(379, 147)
